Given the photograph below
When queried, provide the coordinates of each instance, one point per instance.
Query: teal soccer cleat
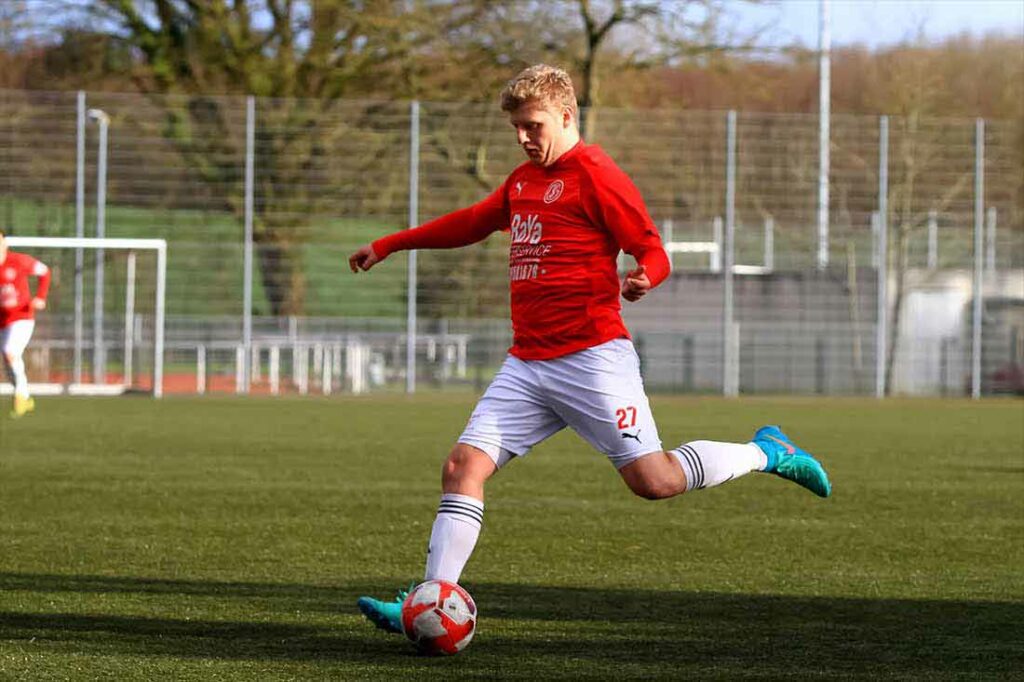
(387, 615)
(790, 462)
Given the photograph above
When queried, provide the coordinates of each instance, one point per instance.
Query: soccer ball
(439, 617)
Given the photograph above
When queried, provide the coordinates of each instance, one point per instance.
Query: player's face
(540, 130)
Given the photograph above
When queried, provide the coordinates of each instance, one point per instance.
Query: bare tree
(282, 49)
(921, 146)
(654, 33)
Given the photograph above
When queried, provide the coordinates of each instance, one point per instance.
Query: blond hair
(542, 83)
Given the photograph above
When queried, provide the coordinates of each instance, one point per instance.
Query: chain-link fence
(262, 200)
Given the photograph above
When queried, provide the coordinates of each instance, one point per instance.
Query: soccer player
(569, 210)
(17, 316)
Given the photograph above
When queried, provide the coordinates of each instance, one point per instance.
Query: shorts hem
(619, 461)
(498, 454)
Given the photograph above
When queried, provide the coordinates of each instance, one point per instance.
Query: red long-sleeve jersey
(568, 222)
(15, 297)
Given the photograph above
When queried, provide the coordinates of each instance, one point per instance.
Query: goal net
(102, 332)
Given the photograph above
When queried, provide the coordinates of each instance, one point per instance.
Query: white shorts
(14, 337)
(598, 392)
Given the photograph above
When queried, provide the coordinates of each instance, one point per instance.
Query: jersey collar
(568, 155)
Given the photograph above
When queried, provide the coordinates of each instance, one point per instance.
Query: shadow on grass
(552, 630)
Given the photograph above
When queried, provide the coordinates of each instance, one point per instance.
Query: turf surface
(222, 538)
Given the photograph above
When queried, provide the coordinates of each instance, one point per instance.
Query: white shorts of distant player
(598, 392)
(14, 337)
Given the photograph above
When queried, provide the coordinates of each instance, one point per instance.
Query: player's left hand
(39, 303)
(636, 284)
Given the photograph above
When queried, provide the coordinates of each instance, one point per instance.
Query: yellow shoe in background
(22, 406)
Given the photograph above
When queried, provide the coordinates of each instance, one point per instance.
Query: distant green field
(225, 538)
(205, 260)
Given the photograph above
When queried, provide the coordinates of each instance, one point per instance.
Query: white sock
(16, 369)
(453, 537)
(707, 463)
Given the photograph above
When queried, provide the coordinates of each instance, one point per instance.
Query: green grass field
(223, 538)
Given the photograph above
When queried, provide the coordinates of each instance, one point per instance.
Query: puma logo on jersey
(636, 437)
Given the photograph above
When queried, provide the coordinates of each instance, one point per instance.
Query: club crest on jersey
(554, 191)
(10, 273)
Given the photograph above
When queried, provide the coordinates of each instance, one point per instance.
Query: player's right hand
(363, 259)
(636, 284)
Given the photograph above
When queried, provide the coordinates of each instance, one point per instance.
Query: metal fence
(261, 201)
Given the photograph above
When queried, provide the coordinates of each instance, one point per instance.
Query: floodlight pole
(824, 102)
(98, 359)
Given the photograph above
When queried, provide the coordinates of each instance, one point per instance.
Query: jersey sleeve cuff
(657, 265)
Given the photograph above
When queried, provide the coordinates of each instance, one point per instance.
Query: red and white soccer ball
(439, 617)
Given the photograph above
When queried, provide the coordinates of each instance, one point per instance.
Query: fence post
(200, 369)
(688, 362)
(275, 370)
(716, 256)
(769, 244)
(820, 366)
(933, 240)
(990, 246)
(882, 258)
(250, 172)
(667, 234)
(99, 359)
(129, 319)
(255, 366)
(875, 227)
(327, 374)
(79, 233)
(729, 333)
(414, 191)
(159, 321)
(979, 235)
(240, 364)
(944, 363)
(300, 368)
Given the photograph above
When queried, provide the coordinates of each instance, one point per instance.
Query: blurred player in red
(17, 316)
(569, 210)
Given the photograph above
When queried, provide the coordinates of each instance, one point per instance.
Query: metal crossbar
(158, 245)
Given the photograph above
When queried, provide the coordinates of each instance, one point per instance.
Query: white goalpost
(100, 245)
